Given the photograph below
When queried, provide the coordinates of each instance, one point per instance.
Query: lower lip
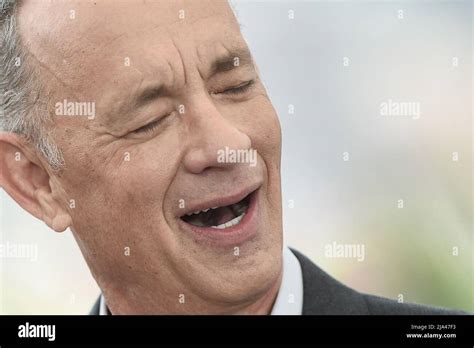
(231, 236)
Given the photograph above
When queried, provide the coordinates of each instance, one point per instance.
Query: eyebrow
(230, 61)
(150, 93)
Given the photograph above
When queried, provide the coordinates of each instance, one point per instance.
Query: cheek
(120, 206)
(264, 130)
(265, 134)
(121, 187)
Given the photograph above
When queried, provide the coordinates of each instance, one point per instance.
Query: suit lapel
(323, 294)
(96, 308)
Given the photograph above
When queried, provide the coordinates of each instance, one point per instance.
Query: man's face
(173, 86)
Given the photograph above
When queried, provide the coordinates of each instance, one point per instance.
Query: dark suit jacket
(322, 295)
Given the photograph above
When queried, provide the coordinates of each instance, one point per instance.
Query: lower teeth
(230, 223)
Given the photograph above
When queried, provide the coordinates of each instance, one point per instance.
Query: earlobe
(61, 222)
(52, 212)
(24, 178)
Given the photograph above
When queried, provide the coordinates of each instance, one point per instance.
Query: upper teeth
(200, 211)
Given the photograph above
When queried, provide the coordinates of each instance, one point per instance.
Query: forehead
(86, 45)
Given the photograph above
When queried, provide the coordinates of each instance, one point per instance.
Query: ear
(24, 177)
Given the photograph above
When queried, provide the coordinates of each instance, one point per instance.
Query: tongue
(221, 216)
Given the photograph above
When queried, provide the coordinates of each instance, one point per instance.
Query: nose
(211, 133)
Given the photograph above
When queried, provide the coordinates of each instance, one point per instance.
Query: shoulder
(382, 306)
(322, 294)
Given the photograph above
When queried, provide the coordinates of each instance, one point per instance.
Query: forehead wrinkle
(45, 67)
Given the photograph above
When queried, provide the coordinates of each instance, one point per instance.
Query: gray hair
(22, 111)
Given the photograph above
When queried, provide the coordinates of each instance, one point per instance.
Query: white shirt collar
(103, 310)
(289, 300)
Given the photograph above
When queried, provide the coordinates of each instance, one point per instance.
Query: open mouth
(219, 217)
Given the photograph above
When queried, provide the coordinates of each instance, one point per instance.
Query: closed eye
(239, 89)
(149, 127)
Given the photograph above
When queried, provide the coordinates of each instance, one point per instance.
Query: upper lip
(220, 201)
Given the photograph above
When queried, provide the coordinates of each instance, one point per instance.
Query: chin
(250, 276)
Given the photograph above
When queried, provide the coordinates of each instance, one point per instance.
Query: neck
(264, 305)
